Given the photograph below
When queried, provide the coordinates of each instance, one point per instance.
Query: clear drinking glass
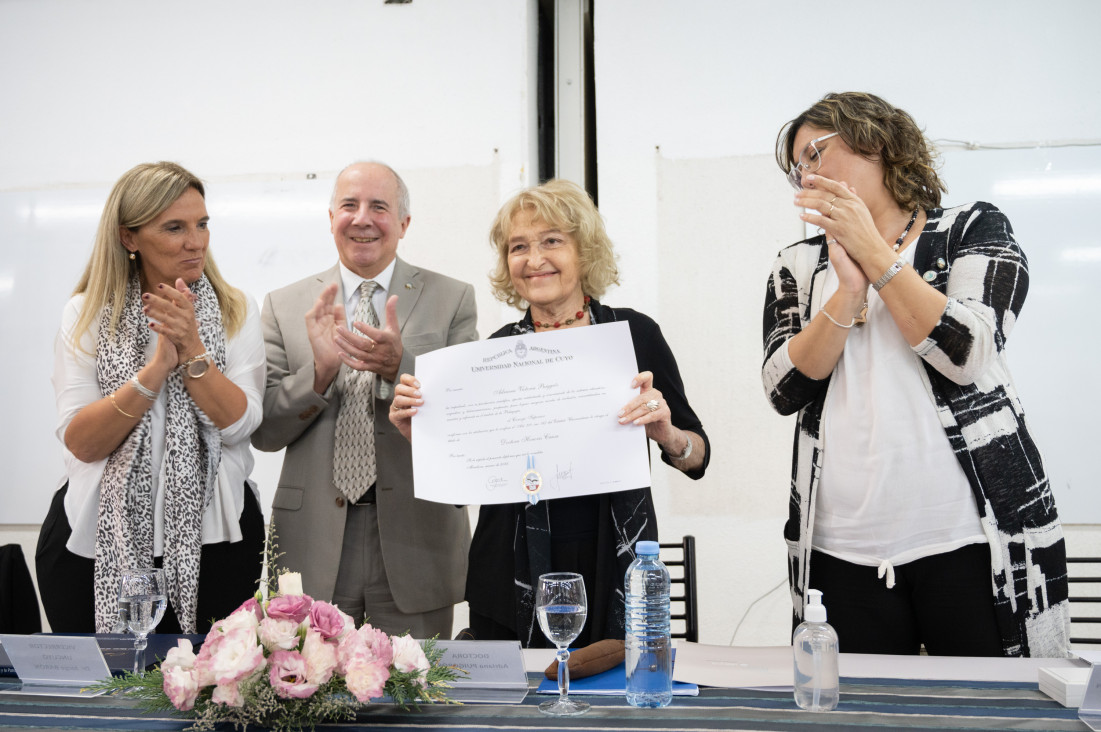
(561, 606)
(123, 614)
(143, 592)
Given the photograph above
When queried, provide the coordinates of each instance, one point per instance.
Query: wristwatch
(196, 366)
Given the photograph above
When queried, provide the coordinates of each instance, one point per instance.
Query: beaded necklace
(902, 236)
(569, 321)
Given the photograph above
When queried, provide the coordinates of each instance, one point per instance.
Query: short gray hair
(403, 190)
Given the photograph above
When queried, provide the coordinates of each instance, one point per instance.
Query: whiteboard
(1051, 196)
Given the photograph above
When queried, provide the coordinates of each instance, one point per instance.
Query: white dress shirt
(351, 282)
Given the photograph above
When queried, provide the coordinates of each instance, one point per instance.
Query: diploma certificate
(496, 410)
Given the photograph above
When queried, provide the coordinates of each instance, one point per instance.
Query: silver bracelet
(839, 325)
(894, 269)
(147, 393)
(684, 455)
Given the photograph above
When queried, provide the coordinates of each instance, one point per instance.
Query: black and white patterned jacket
(969, 254)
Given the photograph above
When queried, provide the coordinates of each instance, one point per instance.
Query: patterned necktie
(354, 456)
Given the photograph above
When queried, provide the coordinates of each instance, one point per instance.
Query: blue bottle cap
(649, 548)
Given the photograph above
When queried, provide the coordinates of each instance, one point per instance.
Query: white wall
(251, 96)
(690, 95)
(255, 88)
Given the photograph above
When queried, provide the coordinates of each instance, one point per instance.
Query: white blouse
(892, 489)
(76, 386)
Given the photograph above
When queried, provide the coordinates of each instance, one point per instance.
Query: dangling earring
(133, 257)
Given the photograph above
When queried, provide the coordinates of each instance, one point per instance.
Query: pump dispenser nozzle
(815, 611)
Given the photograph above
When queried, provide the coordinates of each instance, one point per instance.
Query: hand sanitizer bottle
(815, 649)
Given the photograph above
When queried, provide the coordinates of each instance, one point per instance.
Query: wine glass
(123, 614)
(143, 592)
(561, 605)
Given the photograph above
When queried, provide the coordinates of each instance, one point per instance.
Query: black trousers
(945, 602)
(228, 573)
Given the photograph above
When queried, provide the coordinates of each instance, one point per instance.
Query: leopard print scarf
(192, 452)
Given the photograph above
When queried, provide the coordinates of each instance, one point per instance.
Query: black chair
(18, 599)
(1084, 575)
(682, 588)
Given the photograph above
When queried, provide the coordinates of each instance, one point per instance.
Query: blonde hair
(879, 131)
(567, 207)
(141, 195)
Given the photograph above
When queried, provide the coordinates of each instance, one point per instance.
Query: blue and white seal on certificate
(532, 481)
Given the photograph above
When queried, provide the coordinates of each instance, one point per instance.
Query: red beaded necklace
(569, 321)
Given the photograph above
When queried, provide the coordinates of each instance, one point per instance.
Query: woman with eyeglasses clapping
(919, 504)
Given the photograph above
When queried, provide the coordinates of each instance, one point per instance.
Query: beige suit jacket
(424, 544)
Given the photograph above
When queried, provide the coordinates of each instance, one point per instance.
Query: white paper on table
(771, 666)
(553, 396)
(948, 668)
(735, 667)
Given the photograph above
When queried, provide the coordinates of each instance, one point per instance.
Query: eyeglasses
(549, 242)
(810, 160)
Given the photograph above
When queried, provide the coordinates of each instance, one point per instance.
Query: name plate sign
(495, 670)
(55, 665)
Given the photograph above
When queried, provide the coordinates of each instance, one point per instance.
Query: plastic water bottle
(649, 652)
(815, 648)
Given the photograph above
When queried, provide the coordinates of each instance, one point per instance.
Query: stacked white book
(1066, 685)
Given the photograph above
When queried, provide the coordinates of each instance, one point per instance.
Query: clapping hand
(848, 224)
(377, 349)
(321, 322)
(171, 312)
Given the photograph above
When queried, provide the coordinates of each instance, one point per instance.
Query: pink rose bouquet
(289, 662)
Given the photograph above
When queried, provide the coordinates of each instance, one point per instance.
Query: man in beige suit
(357, 534)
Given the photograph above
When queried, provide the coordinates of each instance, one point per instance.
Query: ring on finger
(832, 207)
(652, 405)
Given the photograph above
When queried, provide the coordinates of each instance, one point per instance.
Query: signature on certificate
(561, 474)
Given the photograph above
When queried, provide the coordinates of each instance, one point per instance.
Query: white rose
(237, 657)
(182, 656)
(290, 583)
(320, 658)
(409, 656)
(228, 694)
(240, 620)
(279, 635)
(180, 686)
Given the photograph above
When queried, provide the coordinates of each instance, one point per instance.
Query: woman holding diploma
(159, 375)
(919, 504)
(555, 256)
